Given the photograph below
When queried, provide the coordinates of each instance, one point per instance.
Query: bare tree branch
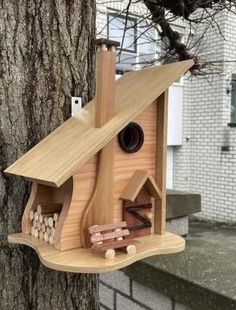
(163, 13)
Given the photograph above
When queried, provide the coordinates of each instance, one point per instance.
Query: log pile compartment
(46, 210)
(44, 221)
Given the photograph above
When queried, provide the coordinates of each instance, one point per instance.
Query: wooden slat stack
(44, 221)
(108, 237)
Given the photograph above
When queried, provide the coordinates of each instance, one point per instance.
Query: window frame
(131, 18)
(233, 89)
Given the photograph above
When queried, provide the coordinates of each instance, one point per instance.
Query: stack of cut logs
(44, 221)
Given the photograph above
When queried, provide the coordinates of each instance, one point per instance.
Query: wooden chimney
(101, 208)
(105, 81)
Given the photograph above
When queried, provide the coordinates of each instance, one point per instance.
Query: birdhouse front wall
(125, 165)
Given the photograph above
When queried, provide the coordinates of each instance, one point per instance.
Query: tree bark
(46, 56)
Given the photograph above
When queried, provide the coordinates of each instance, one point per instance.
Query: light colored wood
(41, 235)
(51, 240)
(110, 235)
(122, 244)
(48, 231)
(105, 87)
(110, 254)
(87, 261)
(38, 226)
(101, 208)
(99, 228)
(39, 209)
(26, 219)
(161, 154)
(43, 228)
(53, 231)
(50, 222)
(36, 233)
(79, 190)
(153, 188)
(45, 219)
(140, 179)
(149, 215)
(68, 192)
(32, 231)
(34, 224)
(55, 217)
(134, 186)
(135, 91)
(42, 194)
(110, 238)
(84, 181)
(121, 237)
(36, 216)
(131, 249)
(31, 216)
(46, 237)
(40, 218)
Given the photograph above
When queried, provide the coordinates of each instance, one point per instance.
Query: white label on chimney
(76, 105)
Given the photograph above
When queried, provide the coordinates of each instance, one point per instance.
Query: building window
(147, 44)
(233, 99)
(120, 29)
(139, 46)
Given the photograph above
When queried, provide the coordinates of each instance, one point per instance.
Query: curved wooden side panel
(43, 194)
(83, 187)
(39, 194)
(25, 223)
(84, 221)
(67, 196)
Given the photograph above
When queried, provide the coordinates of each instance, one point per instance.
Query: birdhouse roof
(139, 180)
(57, 157)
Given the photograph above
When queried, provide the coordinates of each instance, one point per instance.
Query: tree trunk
(46, 56)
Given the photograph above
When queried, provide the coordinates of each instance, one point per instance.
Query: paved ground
(203, 277)
(220, 235)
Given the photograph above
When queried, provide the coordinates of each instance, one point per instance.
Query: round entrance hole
(131, 138)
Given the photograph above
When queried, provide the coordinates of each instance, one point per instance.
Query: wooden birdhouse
(99, 180)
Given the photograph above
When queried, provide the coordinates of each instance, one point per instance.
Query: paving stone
(181, 307)
(123, 303)
(106, 296)
(178, 226)
(118, 280)
(151, 298)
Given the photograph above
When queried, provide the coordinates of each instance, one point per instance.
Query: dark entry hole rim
(131, 138)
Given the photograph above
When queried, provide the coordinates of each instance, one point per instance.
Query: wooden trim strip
(99, 228)
(110, 235)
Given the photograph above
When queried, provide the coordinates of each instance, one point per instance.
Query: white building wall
(199, 164)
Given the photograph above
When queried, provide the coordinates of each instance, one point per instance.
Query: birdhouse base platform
(82, 260)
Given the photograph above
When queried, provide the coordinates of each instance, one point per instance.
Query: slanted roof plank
(65, 150)
(134, 185)
(153, 188)
(140, 179)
